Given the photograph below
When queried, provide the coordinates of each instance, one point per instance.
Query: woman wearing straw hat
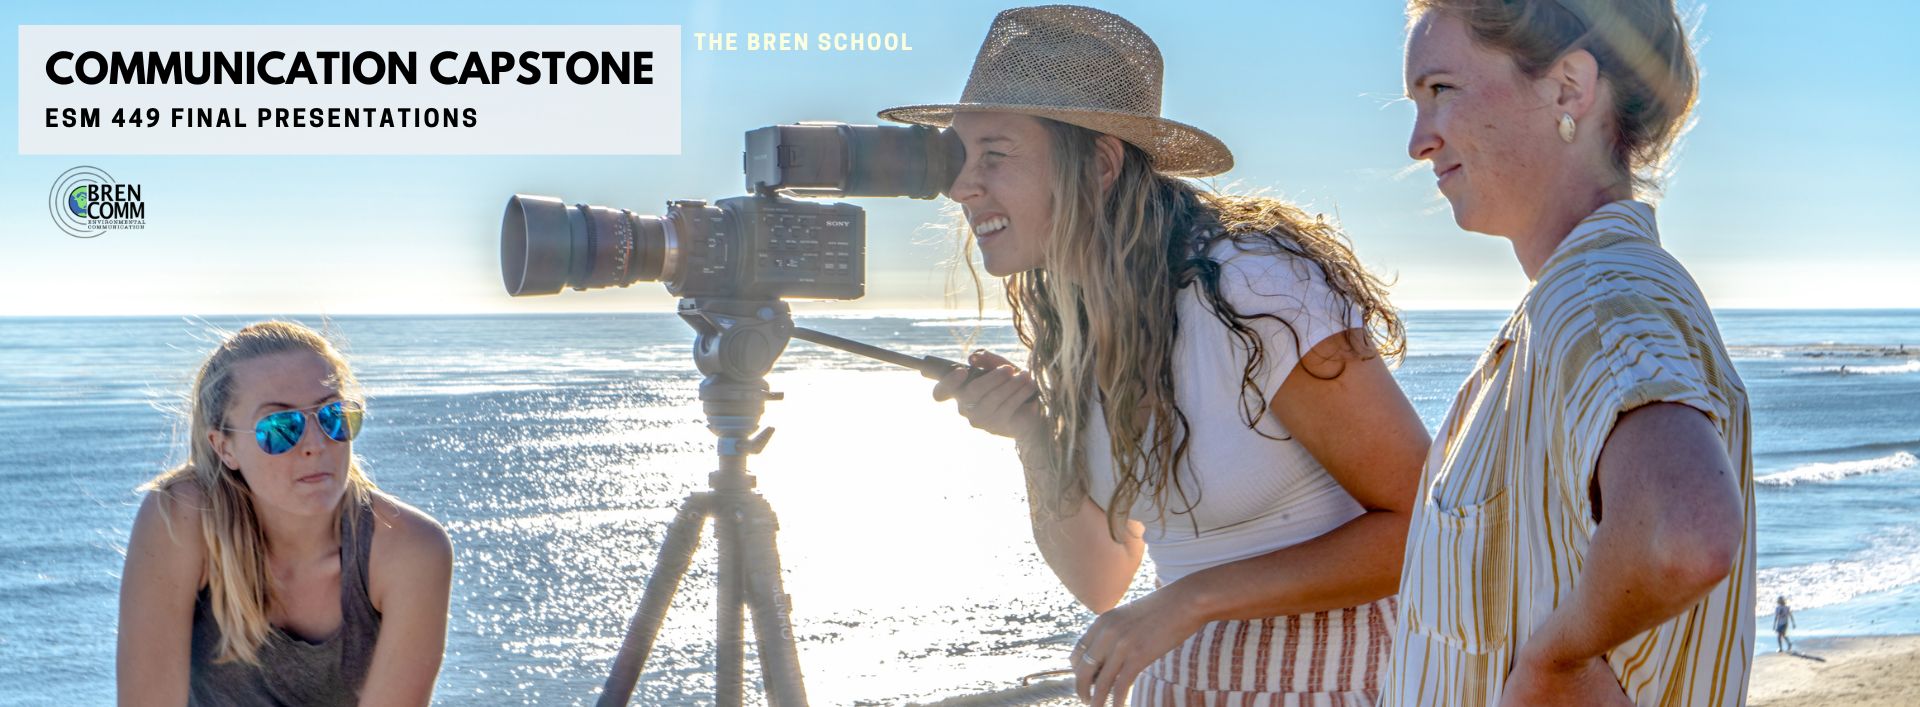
(1205, 380)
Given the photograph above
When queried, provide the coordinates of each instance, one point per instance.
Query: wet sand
(1882, 671)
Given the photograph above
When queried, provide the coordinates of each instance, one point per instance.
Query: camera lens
(547, 244)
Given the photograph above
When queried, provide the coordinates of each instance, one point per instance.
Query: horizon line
(901, 312)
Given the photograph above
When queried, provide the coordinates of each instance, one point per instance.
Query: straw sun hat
(1082, 66)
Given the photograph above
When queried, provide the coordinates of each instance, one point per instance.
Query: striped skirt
(1331, 659)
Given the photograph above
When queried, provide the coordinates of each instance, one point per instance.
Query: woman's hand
(1126, 640)
(1002, 400)
(1080, 548)
(1538, 681)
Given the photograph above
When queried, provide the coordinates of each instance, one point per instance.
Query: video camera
(731, 262)
(764, 245)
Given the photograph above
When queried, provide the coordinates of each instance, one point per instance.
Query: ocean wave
(1891, 562)
(801, 315)
(1823, 350)
(430, 389)
(1851, 450)
(1001, 321)
(1912, 366)
(1834, 471)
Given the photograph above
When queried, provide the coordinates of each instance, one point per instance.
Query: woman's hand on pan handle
(994, 395)
(1080, 549)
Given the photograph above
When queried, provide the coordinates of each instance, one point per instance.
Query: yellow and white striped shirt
(1502, 526)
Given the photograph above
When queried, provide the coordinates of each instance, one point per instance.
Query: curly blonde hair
(1100, 318)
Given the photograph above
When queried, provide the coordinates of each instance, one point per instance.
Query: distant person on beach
(1205, 381)
(268, 569)
(1782, 620)
(1584, 529)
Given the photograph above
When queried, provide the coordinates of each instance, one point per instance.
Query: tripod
(736, 345)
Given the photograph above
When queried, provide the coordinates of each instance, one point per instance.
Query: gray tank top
(293, 671)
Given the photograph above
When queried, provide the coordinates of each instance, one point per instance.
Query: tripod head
(736, 343)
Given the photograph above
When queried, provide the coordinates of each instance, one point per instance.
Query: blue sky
(1789, 191)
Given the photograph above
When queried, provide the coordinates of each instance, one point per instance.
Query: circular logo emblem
(70, 204)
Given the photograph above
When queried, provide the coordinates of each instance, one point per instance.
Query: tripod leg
(772, 609)
(730, 653)
(676, 552)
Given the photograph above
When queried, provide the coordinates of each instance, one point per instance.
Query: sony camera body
(769, 247)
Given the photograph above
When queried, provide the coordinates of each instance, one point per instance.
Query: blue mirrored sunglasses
(280, 431)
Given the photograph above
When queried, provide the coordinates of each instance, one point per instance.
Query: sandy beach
(1856, 672)
(1878, 671)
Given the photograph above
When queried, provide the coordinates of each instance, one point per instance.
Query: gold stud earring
(1566, 128)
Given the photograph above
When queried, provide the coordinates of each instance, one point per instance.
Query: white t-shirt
(1253, 491)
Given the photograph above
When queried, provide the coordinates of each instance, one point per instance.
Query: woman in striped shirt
(1205, 383)
(1584, 530)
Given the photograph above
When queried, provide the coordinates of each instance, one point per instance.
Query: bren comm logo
(86, 202)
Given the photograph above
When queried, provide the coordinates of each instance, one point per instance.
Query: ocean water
(556, 448)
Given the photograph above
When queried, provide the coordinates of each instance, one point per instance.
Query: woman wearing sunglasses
(268, 569)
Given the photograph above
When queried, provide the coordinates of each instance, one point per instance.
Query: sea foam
(1834, 471)
(1892, 562)
(1912, 366)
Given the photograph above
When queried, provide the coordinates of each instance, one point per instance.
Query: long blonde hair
(238, 583)
(1101, 320)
